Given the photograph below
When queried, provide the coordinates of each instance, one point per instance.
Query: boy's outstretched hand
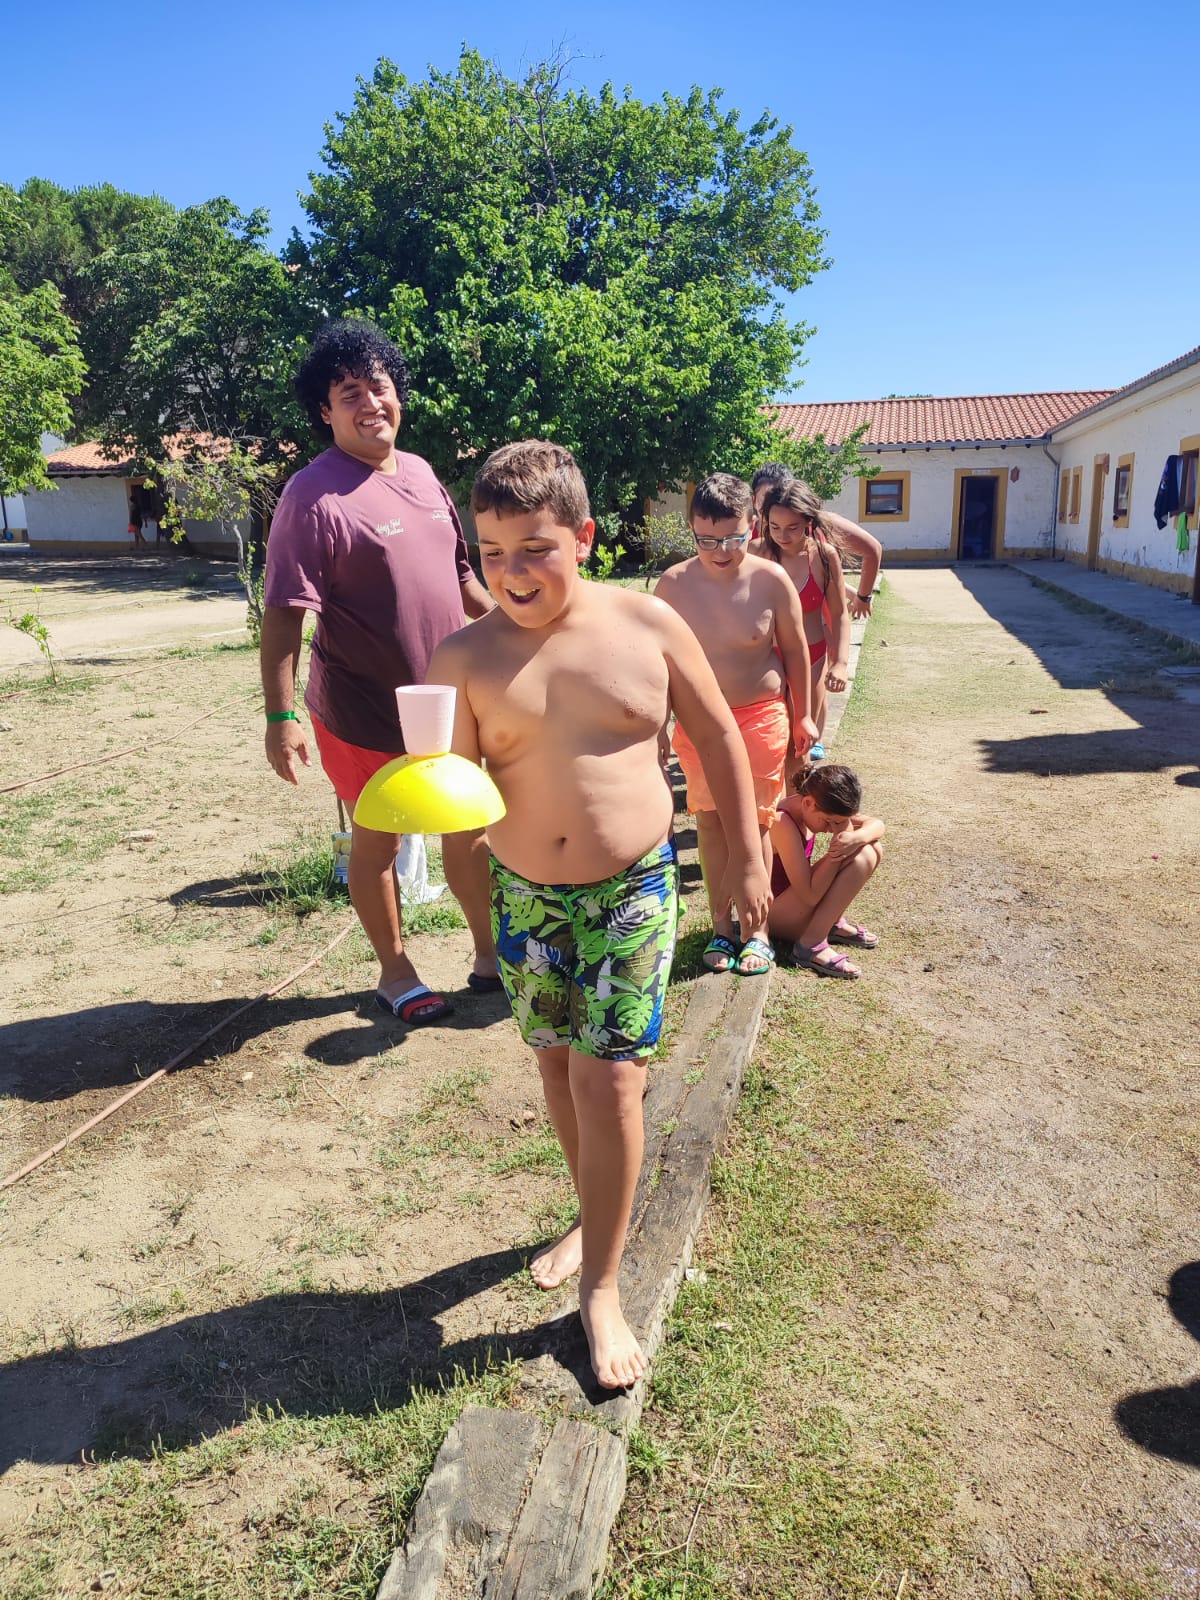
(750, 892)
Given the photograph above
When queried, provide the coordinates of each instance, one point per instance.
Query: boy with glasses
(746, 614)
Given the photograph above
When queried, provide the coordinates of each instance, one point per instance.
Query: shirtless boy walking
(746, 614)
(564, 690)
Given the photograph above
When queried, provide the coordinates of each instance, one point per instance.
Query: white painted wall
(1029, 501)
(1150, 424)
(92, 510)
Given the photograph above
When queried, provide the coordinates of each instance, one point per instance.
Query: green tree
(597, 269)
(197, 320)
(40, 370)
(53, 235)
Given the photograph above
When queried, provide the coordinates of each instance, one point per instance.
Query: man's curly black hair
(346, 349)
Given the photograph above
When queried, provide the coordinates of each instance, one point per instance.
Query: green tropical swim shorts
(587, 964)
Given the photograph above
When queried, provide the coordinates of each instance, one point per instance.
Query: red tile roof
(79, 459)
(955, 419)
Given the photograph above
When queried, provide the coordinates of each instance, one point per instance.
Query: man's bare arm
(279, 660)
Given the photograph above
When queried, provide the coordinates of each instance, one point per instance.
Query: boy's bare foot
(551, 1267)
(617, 1358)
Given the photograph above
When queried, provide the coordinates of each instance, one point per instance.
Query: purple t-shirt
(381, 560)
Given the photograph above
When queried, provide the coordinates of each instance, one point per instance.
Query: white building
(969, 477)
(1073, 475)
(93, 503)
(1112, 458)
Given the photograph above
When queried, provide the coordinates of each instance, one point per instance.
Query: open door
(977, 519)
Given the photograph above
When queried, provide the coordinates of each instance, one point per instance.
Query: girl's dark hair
(771, 472)
(796, 496)
(346, 349)
(836, 790)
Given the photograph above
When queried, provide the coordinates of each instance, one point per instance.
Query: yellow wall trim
(903, 478)
(1122, 462)
(1176, 582)
(1186, 446)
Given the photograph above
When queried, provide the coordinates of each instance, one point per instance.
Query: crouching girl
(811, 898)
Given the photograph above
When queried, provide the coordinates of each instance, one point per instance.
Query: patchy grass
(773, 1408)
(277, 1507)
(300, 880)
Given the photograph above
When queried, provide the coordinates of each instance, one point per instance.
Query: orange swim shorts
(765, 731)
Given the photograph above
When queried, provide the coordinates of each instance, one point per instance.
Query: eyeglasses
(730, 542)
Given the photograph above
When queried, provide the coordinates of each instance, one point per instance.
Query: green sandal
(761, 950)
(719, 945)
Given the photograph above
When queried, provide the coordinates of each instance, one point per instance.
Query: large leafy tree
(49, 234)
(40, 370)
(199, 320)
(597, 269)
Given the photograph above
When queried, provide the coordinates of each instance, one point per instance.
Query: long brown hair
(798, 497)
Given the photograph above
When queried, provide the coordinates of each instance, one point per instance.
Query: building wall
(1149, 425)
(91, 514)
(928, 532)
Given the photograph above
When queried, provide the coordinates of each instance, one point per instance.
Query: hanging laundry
(1183, 539)
(1167, 501)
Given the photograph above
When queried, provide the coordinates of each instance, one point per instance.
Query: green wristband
(282, 716)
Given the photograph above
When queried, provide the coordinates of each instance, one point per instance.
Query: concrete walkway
(1171, 615)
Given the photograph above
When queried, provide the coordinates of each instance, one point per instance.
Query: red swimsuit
(812, 598)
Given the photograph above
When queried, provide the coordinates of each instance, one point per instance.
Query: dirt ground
(1044, 860)
(312, 1156)
(250, 1228)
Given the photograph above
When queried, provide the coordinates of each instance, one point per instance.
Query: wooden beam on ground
(506, 1513)
(461, 1528)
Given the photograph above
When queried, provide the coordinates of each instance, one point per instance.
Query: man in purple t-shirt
(367, 538)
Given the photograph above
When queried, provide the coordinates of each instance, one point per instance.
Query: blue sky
(1010, 193)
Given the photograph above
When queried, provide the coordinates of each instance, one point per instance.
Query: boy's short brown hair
(529, 475)
(721, 495)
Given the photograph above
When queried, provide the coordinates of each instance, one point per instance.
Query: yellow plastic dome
(428, 794)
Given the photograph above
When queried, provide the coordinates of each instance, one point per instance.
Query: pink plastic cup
(426, 718)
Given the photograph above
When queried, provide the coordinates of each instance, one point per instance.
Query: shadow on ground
(1167, 1421)
(112, 1046)
(165, 569)
(1083, 650)
(308, 1354)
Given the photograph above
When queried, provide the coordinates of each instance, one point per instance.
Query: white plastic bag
(412, 872)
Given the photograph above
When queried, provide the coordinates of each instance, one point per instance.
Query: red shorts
(348, 766)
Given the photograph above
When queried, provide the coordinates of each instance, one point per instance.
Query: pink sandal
(858, 936)
(838, 966)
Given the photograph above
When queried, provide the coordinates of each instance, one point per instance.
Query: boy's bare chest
(570, 686)
(727, 622)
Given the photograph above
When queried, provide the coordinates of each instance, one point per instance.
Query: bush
(666, 537)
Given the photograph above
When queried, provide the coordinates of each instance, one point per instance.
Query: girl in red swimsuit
(812, 897)
(798, 537)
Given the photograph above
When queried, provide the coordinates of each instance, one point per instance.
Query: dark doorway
(977, 520)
